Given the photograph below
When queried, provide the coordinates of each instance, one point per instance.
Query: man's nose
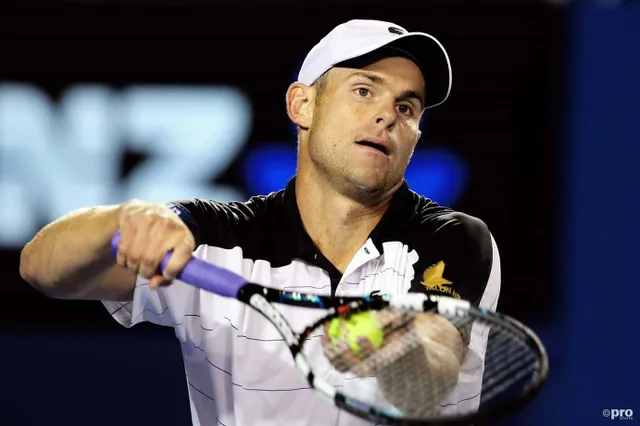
(386, 114)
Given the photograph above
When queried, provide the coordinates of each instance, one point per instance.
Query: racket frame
(262, 299)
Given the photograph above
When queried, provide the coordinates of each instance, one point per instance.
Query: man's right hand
(148, 232)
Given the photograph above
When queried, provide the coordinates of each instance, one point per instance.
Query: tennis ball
(354, 328)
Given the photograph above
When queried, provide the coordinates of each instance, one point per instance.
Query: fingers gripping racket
(390, 350)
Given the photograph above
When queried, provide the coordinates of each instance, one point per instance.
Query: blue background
(601, 228)
(592, 343)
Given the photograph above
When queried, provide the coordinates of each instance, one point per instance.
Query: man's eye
(363, 92)
(404, 109)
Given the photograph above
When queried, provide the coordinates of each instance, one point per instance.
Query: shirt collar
(393, 221)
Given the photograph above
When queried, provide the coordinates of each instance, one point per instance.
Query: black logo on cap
(395, 30)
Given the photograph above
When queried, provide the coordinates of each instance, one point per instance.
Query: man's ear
(300, 102)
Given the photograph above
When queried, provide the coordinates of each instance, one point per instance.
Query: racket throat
(262, 305)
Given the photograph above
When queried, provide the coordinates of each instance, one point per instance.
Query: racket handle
(200, 273)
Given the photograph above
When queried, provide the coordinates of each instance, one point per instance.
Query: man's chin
(367, 189)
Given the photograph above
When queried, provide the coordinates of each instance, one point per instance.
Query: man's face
(365, 126)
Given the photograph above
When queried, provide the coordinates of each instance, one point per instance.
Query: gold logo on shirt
(433, 280)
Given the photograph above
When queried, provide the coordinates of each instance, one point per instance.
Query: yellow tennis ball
(354, 328)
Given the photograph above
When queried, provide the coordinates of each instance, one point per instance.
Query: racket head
(405, 379)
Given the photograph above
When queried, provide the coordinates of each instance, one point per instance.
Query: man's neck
(338, 225)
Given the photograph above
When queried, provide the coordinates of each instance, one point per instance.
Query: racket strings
(508, 360)
(414, 369)
(500, 387)
(360, 355)
(412, 386)
(501, 347)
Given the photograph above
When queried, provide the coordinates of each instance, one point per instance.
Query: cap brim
(428, 54)
(433, 61)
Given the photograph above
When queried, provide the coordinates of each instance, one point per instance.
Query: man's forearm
(438, 329)
(71, 251)
(421, 377)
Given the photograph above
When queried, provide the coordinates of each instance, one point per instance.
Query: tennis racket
(395, 372)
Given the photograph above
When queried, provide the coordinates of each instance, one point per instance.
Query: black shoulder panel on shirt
(250, 224)
(455, 253)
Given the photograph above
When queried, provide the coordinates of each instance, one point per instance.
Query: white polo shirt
(239, 371)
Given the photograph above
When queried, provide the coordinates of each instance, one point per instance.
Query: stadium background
(100, 103)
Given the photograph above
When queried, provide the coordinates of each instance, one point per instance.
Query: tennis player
(346, 224)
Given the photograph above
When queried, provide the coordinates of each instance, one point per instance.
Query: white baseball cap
(360, 37)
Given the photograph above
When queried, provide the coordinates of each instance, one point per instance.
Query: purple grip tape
(201, 274)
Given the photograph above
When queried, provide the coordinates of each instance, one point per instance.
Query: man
(346, 224)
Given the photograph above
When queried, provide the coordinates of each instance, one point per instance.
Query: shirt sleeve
(221, 224)
(165, 306)
(459, 259)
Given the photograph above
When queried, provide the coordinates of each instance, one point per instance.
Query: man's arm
(71, 257)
